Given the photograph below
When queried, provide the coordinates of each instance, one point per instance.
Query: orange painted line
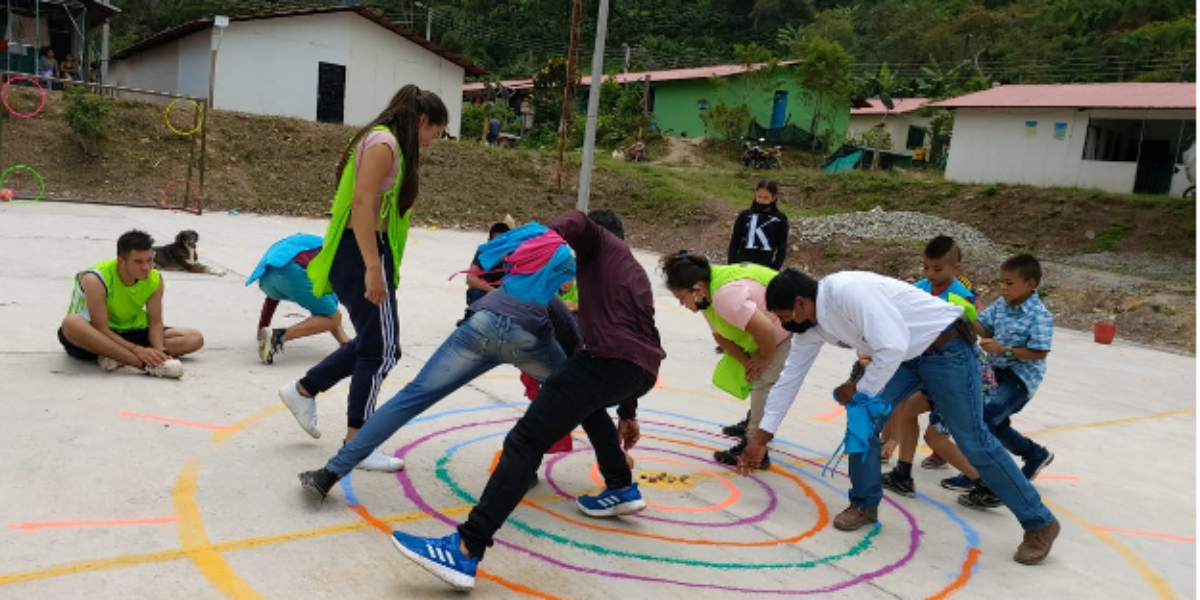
(734, 493)
(495, 461)
(822, 513)
(831, 415)
(172, 420)
(512, 585)
(1164, 536)
(963, 577)
(70, 524)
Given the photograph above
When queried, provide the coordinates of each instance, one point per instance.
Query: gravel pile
(897, 225)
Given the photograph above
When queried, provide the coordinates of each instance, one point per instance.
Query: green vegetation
(1107, 238)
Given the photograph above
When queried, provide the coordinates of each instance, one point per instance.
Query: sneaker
(979, 498)
(1036, 545)
(855, 517)
(737, 430)
(170, 369)
(958, 483)
(109, 364)
(270, 343)
(1041, 459)
(612, 503)
(440, 556)
(933, 461)
(730, 457)
(901, 485)
(302, 407)
(378, 461)
(318, 483)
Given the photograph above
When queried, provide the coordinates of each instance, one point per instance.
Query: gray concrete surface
(123, 486)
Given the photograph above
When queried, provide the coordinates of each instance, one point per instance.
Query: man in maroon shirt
(617, 364)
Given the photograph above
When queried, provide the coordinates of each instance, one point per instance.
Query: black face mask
(795, 327)
(763, 208)
(701, 304)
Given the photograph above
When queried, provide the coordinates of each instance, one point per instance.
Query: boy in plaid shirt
(1015, 331)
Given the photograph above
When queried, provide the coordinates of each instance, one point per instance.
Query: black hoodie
(760, 236)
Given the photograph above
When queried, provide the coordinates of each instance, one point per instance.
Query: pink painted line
(831, 415)
(172, 420)
(67, 524)
(1153, 534)
(1050, 477)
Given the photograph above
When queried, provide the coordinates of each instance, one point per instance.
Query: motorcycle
(760, 156)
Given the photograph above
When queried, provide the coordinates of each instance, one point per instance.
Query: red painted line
(1050, 477)
(1164, 536)
(69, 524)
(172, 420)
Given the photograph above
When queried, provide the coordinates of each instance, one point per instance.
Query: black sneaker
(318, 483)
(1040, 459)
(901, 485)
(270, 345)
(737, 430)
(979, 498)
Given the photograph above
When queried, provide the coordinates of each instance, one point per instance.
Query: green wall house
(678, 104)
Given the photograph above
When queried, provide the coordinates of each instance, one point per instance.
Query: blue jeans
(950, 376)
(484, 341)
(1006, 399)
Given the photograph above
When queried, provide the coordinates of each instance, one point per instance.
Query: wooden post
(564, 122)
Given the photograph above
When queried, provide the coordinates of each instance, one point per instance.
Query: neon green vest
(397, 225)
(723, 275)
(126, 303)
(968, 309)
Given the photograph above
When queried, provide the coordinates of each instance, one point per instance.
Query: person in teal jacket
(360, 259)
(282, 275)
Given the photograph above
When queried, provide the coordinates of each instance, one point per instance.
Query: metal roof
(1081, 95)
(191, 27)
(902, 105)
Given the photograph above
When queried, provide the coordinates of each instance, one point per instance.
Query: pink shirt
(374, 138)
(736, 302)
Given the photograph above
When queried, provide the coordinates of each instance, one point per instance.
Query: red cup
(1104, 332)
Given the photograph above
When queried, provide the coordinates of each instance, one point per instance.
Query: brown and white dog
(180, 255)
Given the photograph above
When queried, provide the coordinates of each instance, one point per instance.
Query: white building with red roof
(1117, 137)
(903, 124)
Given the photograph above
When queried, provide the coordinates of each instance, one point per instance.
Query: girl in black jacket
(760, 234)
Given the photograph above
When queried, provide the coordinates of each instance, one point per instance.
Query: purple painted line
(411, 493)
(761, 516)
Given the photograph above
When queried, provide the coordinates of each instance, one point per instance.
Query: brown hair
(402, 118)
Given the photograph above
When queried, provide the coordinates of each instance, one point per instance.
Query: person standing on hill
(360, 259)
(760, 233)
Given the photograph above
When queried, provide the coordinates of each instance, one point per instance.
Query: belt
(958, 329)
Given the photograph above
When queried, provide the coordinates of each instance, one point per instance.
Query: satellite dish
(887, 101)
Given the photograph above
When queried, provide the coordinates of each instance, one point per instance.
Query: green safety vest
(723, 275)
(397, 225)
(126, 304)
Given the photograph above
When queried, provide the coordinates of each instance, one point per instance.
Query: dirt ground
(1128, 259)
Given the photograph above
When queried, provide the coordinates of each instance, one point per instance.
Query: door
(779, 109)
(331, 92)
(1155, 168)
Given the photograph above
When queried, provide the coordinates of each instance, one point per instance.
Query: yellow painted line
(193, 539)
(1122, 421)
(88, 566)
(1161, 588)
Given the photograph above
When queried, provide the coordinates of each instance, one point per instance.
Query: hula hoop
(4, 96)
(41, 183)
(199, 124)
(191, 185)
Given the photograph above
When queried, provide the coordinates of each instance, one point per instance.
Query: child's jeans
(1005, 399)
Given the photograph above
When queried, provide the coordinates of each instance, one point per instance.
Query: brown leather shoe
(855, 517)
(1037, 543)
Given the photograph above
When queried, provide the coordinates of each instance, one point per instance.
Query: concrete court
(123, 486)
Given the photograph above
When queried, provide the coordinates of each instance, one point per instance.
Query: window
(702, 104)
(916, 137)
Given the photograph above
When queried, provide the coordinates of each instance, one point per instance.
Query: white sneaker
(170, 369)
(378, 461)
(302, 407)
(109, 364)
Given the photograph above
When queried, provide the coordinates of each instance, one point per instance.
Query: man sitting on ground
(115, 316)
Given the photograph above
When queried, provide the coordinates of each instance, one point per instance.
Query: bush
(727, 122)
(87, 114)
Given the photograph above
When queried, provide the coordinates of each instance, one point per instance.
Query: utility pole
(428, 20)
(589, 137)
(564, 121)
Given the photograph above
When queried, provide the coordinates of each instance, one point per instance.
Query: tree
(824, 70)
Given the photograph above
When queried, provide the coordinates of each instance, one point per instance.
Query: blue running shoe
(612, 503)
(958, 483)
(439, 556)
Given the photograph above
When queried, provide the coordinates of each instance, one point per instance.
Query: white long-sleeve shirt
(888, 319)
